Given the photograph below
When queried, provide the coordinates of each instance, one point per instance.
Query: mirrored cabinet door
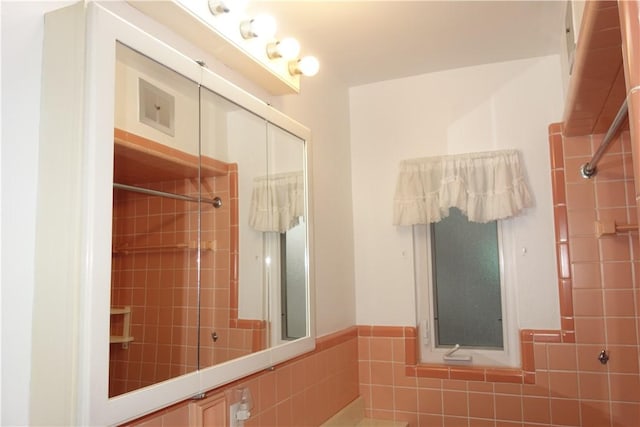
(233, 315)
(283, 197)
(209, 242)
(156, 237)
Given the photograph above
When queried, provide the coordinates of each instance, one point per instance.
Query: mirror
(209, 235)
(288, 232)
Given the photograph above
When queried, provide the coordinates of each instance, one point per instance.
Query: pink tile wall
(303, 392)
(219, 279)
(571, 388)
(391, 392)
(160, 286)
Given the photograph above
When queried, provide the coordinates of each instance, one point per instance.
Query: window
(466, 283)
(293, 293)
(464, 292)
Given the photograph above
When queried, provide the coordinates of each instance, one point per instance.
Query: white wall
(495, 106)
(22, 32)
(130, 67)
(323, 107)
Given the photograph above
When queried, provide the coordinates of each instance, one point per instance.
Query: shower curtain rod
(216, 201)
(589, 169)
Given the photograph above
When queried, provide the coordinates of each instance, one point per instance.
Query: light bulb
(261, 26)
(287, 48)
(218, 7)
(307, 66)
(237, 6)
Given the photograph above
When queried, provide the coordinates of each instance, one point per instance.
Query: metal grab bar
(205, 245)
(216, 201)
(589, 169)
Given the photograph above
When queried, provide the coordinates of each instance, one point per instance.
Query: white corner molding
(220, 36)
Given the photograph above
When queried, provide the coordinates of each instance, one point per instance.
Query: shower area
(159, 295)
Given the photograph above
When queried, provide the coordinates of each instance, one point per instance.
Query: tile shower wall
(219, 279)
(160, 285)
(572, 388)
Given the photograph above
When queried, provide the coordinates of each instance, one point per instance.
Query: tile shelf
(126, 337)
(597, 83)
(608, 228)
(140, 160)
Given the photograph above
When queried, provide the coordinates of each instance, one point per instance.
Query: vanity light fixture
(263, 26)
(287, 48)
(306, 66)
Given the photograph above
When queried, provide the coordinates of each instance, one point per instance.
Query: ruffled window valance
(277, 202)
(484, 186)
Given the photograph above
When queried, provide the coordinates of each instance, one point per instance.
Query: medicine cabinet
(196, 233)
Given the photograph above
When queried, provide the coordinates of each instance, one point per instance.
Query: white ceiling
(362, 41)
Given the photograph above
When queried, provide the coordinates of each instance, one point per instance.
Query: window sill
(524, 375)
(497, 375)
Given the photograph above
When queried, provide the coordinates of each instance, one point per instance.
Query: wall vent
(157, 107)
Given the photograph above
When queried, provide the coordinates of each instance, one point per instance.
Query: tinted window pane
(466, 273)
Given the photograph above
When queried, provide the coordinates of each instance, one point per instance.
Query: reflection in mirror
(209, 237)
(294, 292)
(231, 325)
(280, 200)
(155, 241)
